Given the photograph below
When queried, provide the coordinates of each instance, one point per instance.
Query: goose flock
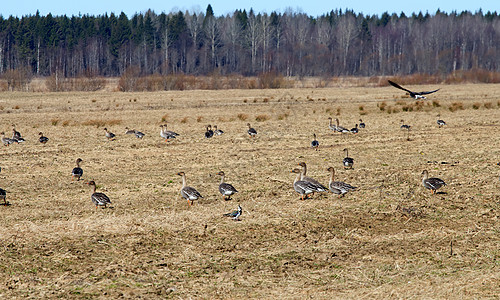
(304, 185)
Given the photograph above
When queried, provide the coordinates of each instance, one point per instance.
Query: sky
(313, 8)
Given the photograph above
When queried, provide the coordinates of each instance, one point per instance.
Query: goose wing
(100, 199)
(227, 189)
(190, 193)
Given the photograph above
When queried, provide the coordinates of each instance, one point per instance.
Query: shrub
(242, 117)
(262, 118)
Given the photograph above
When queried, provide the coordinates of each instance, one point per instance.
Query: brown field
(389, 239)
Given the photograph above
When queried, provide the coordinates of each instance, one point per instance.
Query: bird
(315, 143)
(209, 133)
(331, 126)
(129, 131)
(5, 140)
(339, 128)
(3, 193)
(43, 139)
(432, 183)
(347, 161)
(77, 171)
(109, 135)
(218, 131)
(16, 135)
(404, 126)
(355, 129)
(361, 124)
(251, 131)
(303, 187)
(415, 95)
(235, 215)
(137, 133)
(225, 189)
(303, 177)
(187, 192)
(169, 133)
(338, 187)
(441, 123)
(99, 199)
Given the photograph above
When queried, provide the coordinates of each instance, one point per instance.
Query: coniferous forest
(338, 43)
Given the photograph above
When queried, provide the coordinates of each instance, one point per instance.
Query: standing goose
(109, 135)
(43, 139)
(331, 126)
(338, 187)
(303, 177)
(99, 199)
(169, 133)
(340, 128)
(303, 187)
(16, 135)
(235, 215)
(251, 131)
(3, 193)
(77, 171)
(315, 143)
(225, 189)
(5, 140)
(355, 129)
(209, 133)
(361, 124)
(218, 131)
(187, 192)
(139, 134)
(432, 183)
(129, 131)
(415, 95)
(347, 161)
(440, 122)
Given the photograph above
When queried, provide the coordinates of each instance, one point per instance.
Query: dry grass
(389, 239)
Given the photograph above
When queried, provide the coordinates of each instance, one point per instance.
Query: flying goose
(109, 135)
(251, 131)
(415, 95)
(43, 139)
(187, 192)
(361, 124)
(303, 187)
(315, 143)
(338, 187)
(347, 161)
(432, 183)
(99, 199)
(225, 189)
(235, 215)
(303, 177)
(77, 171)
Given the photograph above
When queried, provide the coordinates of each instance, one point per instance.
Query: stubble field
(389, 239)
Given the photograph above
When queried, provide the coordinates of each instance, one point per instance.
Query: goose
(139, 134)
(315, 143)
(3, 193)
(169, 133)
(347, 161)
(16, 135)
(43, 139)
(355, 129)
(441, 123)
(109, 135)
(209, 133)
(303, 187)
(251, 131)
(361, 124)
(303, 177)
(432, 183)
(415, 95)
(340, 128)
(77, 171)
(218, 131)
(338, 187)
(99, 199)
(225, 189)
(331, 126)
(235, 215)
(187, 192)
(498, 165)
(5, 140)
(404, 126)
(129, 131)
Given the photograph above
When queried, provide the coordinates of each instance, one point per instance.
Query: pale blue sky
(221, 7)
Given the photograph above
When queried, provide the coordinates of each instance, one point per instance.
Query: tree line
(338, 43)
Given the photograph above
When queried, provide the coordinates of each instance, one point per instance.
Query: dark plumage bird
(77, 171)
(338, 187)
(235, 215)
(187, 192)
(109, 135)
(251, 131)
(348, 162)
(404, 126)
(3, 193)
(16, 135)
(415, 95)
(43, 139)
(361, 124)
(137, 133)
(432, 183)
(355, 129)
(441, 123)
(209, 133)
(303, 187)
(315, 143)
(225, 189)
(99, 199)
